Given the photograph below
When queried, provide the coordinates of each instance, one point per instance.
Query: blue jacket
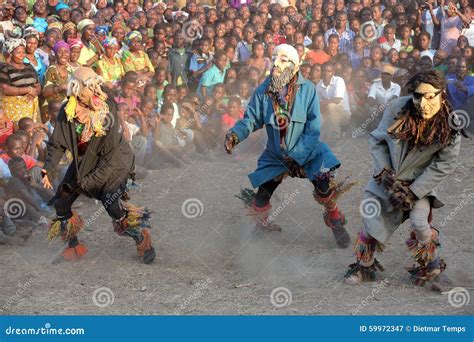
(302, 136)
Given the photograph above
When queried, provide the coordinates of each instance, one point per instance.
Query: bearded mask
(285, 65)
(427, 99)
(85, 85)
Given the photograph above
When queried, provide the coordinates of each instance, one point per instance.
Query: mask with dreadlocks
(424, 120)
(87, 102)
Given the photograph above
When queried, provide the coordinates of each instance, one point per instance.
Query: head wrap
(75, 42)
(60, 44)
(30, 32)
(118, 25)
(132, 35)
(83, 24)
(56, 25)
(12, 43)
(40, 24)
(61, 6)
(69, 26)
(102, 29)
(290, 52)
(110, 41)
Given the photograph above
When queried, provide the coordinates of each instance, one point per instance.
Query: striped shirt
(26, 77)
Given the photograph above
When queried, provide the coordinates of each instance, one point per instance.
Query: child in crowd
(128, 92)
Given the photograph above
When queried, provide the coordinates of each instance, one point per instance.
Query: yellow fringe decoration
(73, 226)
(136, 216)
(70, 108)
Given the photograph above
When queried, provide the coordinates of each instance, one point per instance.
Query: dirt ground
(212, 260)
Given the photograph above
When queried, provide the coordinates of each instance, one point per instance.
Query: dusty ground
(217, 263)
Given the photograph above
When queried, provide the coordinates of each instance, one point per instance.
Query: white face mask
(281, 61)
(427, 99)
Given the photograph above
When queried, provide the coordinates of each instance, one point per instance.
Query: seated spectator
(334, 103)
(165, 138)
(20, 186)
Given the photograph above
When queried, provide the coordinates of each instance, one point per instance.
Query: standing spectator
(452, 22)
(460, 85)
(178, 61)
(244, 48)
(344, 34)
(136, 59)
(20, 83)
(214, 75)
(31, 55)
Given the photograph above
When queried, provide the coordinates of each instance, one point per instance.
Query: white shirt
(430, 53)
(335, 89)
(382, 95)
(176, 115)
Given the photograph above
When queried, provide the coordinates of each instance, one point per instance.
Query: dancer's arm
(442, 165)
(253, 117)
(56, 145)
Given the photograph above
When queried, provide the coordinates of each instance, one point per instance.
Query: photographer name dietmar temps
(442, 328)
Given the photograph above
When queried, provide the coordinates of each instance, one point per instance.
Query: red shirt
(30, 161)
(314, 57)
(228, 121)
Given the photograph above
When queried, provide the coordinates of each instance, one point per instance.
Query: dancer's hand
(46, 182)
(230, 141)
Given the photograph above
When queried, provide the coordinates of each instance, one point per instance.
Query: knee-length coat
(425, 167)
(302, 136)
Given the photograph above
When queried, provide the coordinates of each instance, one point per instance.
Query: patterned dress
(17, 107)
(131, 62)
(111, 72)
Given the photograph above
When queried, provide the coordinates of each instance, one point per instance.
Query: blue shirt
(40, 67)
(457, 97)
(345, 39)
(210, 78)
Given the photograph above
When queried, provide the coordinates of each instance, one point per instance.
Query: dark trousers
(266, 190)
(110, 201)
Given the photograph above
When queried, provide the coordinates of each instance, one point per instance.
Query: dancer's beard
(278, 82)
